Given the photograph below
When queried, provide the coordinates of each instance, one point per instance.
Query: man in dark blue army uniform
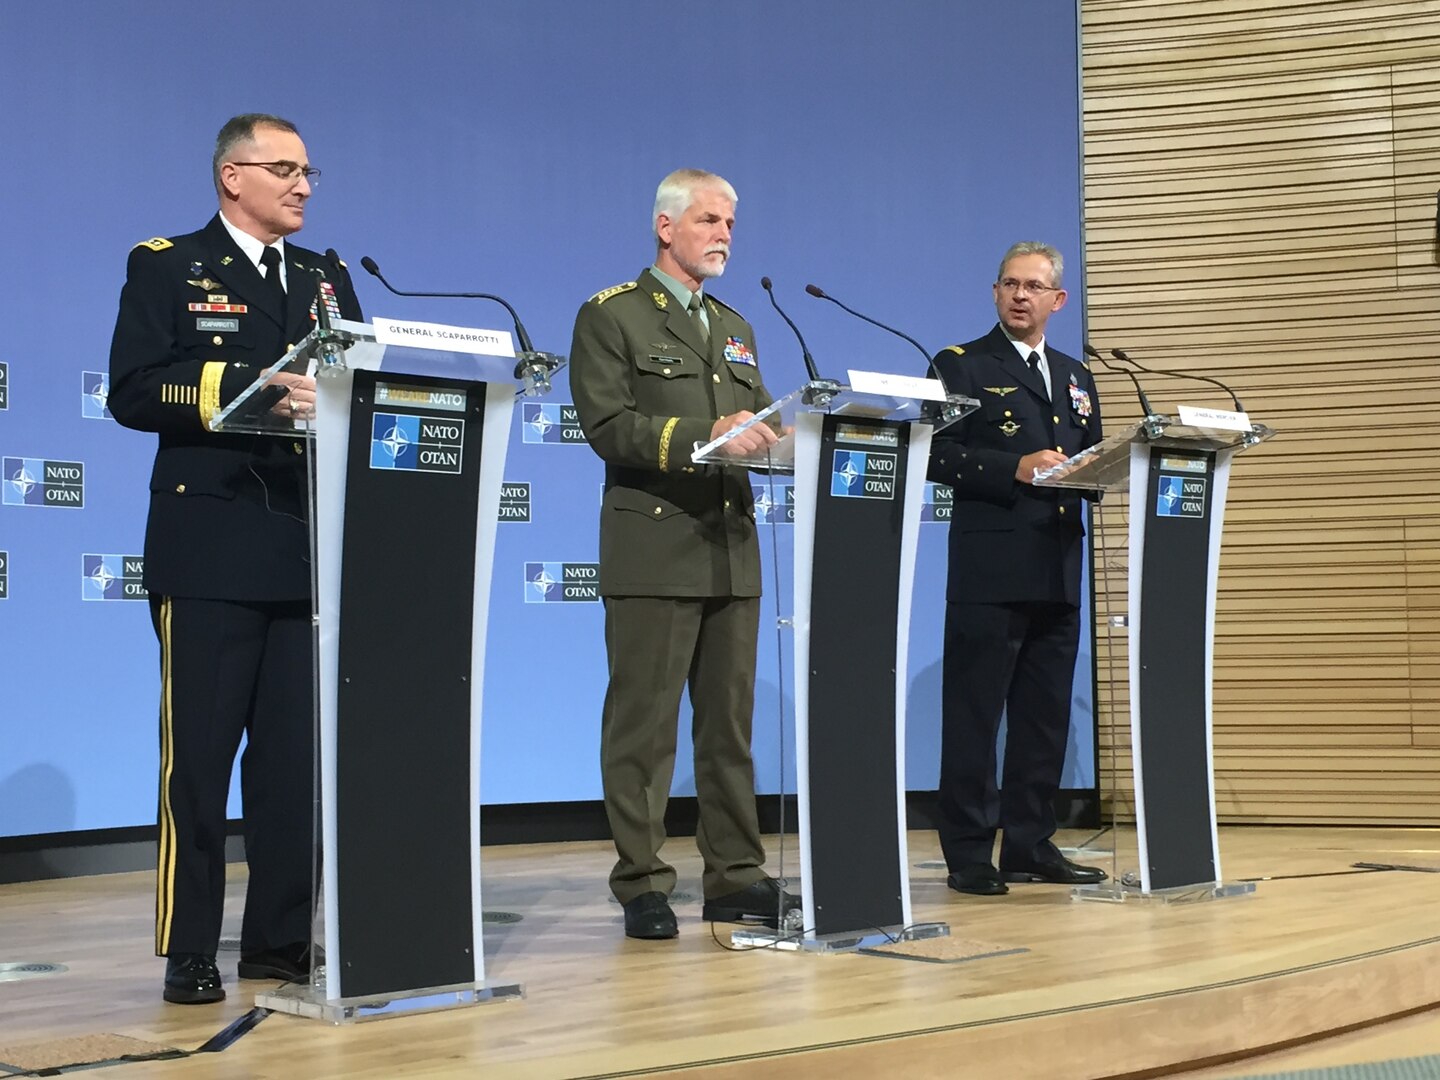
(227, 552)
(657, 366)
(1012, 619)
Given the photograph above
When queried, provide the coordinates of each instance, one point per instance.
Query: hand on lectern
(1039, 461)
(750, 441)
(299, 399)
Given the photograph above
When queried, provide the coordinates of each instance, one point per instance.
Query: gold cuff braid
(210, 376)
(665, 435)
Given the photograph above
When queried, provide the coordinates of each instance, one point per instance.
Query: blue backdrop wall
(886, 152)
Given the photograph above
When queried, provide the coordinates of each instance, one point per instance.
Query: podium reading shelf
(412, 422)
(859, 462)
(1178, 472)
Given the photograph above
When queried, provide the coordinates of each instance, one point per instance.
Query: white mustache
(719, 249)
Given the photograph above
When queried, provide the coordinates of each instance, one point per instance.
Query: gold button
(1062, 509)
(665, 371)
(716, 376)
(1007, 412)
(727, 504)
(179, 489)
(689, 468)
(299, 448)
(1056, 419)
(657, 511)
(1060, 448)
(218, 340)
(289, 347)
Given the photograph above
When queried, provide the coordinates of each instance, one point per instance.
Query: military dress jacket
(196, 326)
(647, 389)
(1011, 541)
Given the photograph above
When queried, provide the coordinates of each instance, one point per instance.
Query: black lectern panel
(1174, 761)
(854, 854)
(402, 794)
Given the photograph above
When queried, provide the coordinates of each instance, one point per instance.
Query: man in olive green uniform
(654, 363)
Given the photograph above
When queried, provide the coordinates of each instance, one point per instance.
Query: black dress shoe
(192, 979)
(977, 879)
(1060, 871)
(290, 963)
(763, 900)
(648, 917)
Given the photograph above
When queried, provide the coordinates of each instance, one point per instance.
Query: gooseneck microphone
(1094, 354)
(520, 335)
(816, 291)
(804, 349)
(1120, 354)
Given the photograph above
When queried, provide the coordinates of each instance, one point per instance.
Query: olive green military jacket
(647, 389)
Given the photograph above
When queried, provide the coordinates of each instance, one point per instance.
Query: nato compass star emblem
(22, 481)
(102, 577)
(762, 505)
(848, 473)
(543, 582)
(99, 394)
(541, 423)
(1169, 493)
(395, 441)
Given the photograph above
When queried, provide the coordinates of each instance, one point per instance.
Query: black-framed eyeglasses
(285, 170)
(1011, 285)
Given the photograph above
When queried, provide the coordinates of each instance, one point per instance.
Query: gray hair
(1035, 247)
(678, 190)
(240, 129)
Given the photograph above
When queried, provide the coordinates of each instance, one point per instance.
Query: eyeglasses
(1011, 285)
(286, 170)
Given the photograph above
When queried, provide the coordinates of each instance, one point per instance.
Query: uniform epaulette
(155, 243)
(956, 349)
(614, 290)
(722, 303)
(1085, 363)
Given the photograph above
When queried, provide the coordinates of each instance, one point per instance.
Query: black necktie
(270, 259)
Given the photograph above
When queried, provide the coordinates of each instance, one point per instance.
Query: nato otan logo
(863, 474)
(774, 503)
(38, 482)
(550, 422)
(1180, 496)
(939, 502)
(95, 395)
(562, 583)
(515, 500)
(416, 443)
(112, 577)
(4, 575)
(4, 385)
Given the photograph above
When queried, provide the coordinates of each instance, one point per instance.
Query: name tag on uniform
(225, 326)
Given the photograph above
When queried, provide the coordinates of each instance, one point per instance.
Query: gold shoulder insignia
(956, 349)
(156, 243)
(1085, 363)
(1001, 390)
(614, 290)
(344, 265)
(716, 300)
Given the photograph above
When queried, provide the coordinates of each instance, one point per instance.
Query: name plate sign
(442, 338)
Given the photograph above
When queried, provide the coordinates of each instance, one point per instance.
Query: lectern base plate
(1114, 892)
(309, 1000)
(836, 943)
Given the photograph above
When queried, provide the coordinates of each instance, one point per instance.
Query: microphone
(1094, 354)
(816, 291)
(520, 335)
(1119, 354)
(818, 392)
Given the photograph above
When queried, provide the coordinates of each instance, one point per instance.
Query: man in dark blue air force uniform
(1012, 617)
(227, 553)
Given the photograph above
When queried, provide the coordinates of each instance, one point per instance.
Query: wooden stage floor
(1102, 989)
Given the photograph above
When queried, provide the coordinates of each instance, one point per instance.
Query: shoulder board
(157, 243)
(614, 290)
(1084, 363)
(956, 349)
(722, 303)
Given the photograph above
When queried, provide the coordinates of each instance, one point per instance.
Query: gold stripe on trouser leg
(165, 865)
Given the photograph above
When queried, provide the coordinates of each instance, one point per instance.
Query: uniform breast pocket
(201, 333)
(1000, 416)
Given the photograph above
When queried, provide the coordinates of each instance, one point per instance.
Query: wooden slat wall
(1260, 184)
